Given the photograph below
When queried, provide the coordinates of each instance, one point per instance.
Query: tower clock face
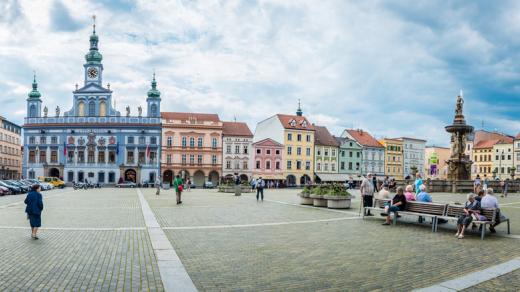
(92, 72)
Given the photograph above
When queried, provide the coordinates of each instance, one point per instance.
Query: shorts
(393, 209)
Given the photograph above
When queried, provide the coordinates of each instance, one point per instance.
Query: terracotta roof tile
(486, 144)
(323, 137)
(236, 129)
(299, 122)
(364, 138)
(187, 116)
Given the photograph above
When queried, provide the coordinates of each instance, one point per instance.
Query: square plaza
(101, 240)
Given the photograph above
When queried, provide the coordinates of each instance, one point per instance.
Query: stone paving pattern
(69, 259)
(331, 256)
(77, 253)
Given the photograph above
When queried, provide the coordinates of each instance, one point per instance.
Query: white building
(413, 155)
(503, 158)
(237, 141)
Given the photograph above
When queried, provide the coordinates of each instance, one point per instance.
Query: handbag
(180, 188)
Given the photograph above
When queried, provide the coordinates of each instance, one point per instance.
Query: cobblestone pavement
(80, 245)
(338, 255)
(97, 240)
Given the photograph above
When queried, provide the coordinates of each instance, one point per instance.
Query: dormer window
(304, 124)
(292, 123)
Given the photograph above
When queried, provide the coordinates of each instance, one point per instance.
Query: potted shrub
(338, 197)
(305, 196)
(317, 196)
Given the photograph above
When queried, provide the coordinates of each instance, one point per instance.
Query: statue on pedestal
(140, 110)
(127, 111)
(45, 111)
(57, 111)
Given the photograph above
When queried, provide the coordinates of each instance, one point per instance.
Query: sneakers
(457, 234)
(492, 229)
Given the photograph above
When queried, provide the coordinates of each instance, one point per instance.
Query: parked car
(14, 189)
(4, 191)
(24, 188)
(56, 182)
(208, 185)
(126, 184)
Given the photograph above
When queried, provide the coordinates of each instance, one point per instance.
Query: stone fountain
(459, 164)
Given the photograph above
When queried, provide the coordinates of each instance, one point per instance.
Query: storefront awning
(272, 176)
(341, 177)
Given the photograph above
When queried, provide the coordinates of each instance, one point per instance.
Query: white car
(46, 186)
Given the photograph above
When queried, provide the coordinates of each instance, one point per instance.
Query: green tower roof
(153, 92)
(34, 94)
(94, 56)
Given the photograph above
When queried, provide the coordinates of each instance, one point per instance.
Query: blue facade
(93, 141)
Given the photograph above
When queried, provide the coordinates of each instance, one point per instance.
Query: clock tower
(93, 67)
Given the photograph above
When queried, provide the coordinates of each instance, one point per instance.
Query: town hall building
(93, 141)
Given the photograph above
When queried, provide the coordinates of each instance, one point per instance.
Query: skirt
(35, 220)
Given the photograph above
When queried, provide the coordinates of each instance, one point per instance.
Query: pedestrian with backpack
(178, 186)
(260, 185)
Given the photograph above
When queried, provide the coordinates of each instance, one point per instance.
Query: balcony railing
(92, 120)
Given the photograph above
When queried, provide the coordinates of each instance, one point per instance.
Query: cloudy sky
(392, 69)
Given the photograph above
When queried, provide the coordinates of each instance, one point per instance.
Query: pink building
(267, 160)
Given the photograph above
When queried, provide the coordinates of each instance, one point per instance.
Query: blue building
(93, 141)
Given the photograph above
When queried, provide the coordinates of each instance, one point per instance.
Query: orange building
(191, 147)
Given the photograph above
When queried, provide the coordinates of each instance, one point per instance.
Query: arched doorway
(198, 178)
(305, 179)
(214, 177)
(54, 172)
(168, 176)
(244, 177)
(291, 180)
(130, 175)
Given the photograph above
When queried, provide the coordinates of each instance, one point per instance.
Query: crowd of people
(482, 199)
(481, 184)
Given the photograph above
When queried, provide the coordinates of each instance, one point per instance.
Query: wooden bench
(424, 209)
(454, 212)
(431, 210)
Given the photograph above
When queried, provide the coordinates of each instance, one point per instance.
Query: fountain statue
(459, 164)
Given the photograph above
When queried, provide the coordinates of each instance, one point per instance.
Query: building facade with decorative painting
(393, 158)
(297, 135)
(191, 147)
(10, 153)
(237, 140)
(326, 149)
(92, 141)
(373, 153)
(268, 160)
(350, 158)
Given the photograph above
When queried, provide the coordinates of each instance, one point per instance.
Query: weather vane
(94, 22)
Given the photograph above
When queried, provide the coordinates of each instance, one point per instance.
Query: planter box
(305, 199)
(231, 189)
(318, 201)
(338, 202)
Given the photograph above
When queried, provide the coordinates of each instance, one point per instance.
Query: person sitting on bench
(398, 204)
(490, 201)
(471, 209)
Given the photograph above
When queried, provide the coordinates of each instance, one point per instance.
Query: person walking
(505, 188)
(34, 202)
(158, 186)
(418, 183)
(367, 192)
(238, 187)
(177, 185)
(374, 183)
(188, 185)
(260, 184)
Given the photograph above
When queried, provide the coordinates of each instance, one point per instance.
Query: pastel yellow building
(297, 135)
(393, 158)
